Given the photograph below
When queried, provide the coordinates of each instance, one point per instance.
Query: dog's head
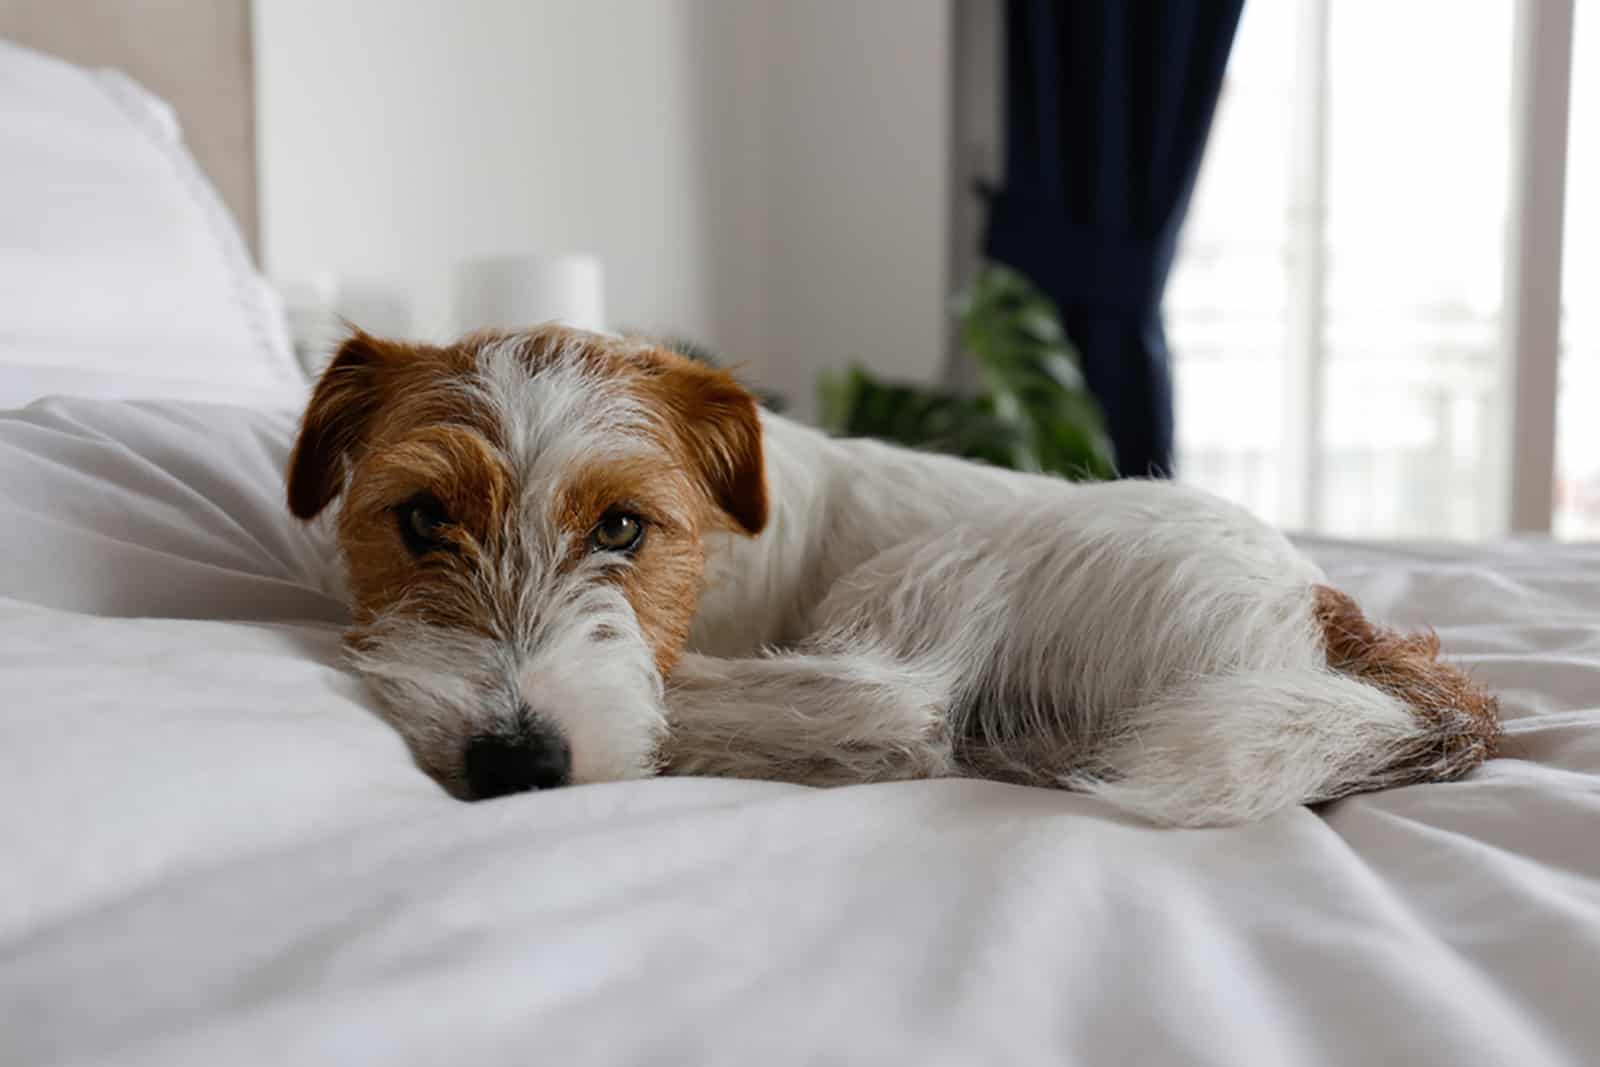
(522, 519)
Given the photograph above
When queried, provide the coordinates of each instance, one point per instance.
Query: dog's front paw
(815, 719)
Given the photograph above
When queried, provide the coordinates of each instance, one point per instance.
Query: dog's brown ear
(335, 422)
(721, 430)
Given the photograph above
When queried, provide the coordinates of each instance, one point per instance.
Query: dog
(573, 557)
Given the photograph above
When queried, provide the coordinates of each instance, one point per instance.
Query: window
(1336, 307)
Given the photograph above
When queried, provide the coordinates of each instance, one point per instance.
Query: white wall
(858, 191)
(770, 177)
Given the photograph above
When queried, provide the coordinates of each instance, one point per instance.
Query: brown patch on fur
(1462, 719)
(663, 587)
(718, 431)
(661, 579)
(386, 418)
(467, 476)
(371, 390)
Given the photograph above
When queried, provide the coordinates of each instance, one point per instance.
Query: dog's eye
(422, 522)
(618, 531)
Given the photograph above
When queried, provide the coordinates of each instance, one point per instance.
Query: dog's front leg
(811, 717)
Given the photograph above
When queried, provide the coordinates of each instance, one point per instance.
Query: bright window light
(1342, 260)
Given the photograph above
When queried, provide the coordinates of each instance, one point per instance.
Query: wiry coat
(1140, 640)
(830, 611)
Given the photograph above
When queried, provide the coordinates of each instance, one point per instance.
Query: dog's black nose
(529, 759)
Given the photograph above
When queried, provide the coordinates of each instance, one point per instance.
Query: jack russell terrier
(577, 558)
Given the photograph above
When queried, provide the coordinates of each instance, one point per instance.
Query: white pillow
(115, 252)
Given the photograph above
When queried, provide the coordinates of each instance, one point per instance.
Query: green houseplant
(1031, 412)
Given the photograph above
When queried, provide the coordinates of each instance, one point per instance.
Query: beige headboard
(194, 53)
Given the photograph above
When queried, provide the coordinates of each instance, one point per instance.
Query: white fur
(908, 614)
(1239, 746)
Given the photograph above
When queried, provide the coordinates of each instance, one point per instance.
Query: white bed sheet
(211, 852)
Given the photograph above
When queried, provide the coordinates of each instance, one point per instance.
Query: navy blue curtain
(1108, 106)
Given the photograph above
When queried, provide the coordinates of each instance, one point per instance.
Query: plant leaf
(1034, 411)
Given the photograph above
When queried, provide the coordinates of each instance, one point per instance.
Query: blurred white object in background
(309, 308)
(321, 305)
(515, 291)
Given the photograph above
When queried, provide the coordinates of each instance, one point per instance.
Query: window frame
(1531, 310)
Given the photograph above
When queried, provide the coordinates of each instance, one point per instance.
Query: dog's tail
(1234, 747)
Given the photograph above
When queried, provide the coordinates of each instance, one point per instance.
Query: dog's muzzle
(529, 756)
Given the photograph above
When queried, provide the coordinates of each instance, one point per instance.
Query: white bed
(212, 852)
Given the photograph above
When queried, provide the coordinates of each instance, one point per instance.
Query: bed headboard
(196, 54)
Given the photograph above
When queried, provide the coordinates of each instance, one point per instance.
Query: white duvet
(211, 852)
